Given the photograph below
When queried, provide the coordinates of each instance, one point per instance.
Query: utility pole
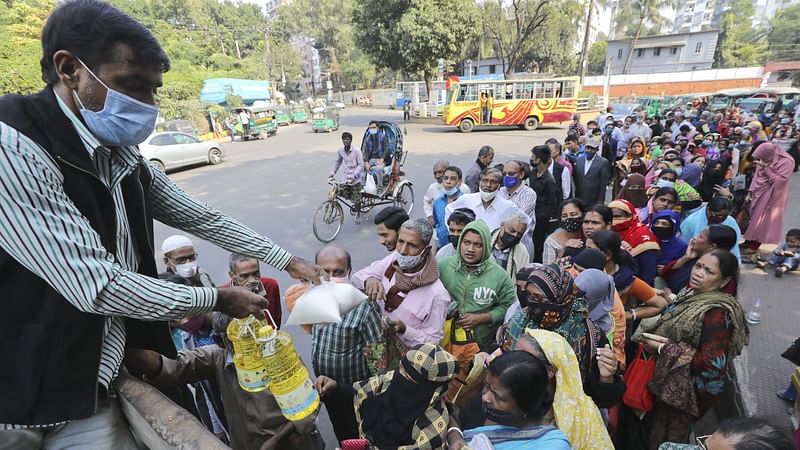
(585, 47)
(238, 52)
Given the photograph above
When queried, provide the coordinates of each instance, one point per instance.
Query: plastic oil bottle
(289, 381)
(247, 359)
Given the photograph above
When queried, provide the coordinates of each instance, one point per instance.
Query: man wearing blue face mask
(451, 185)
(78, 204)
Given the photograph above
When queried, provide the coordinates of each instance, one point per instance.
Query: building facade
(702, 15)
(665, 53)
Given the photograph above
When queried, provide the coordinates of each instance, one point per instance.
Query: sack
(325, 303)
(793, 353)
(637, 377)
(369, 186)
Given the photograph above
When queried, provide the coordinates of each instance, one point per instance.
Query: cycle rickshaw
(329, 216)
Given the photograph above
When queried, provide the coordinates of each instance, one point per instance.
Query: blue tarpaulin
(215, 89)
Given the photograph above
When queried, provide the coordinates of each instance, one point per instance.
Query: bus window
(467, 93)
(509, 91)
(539, 89)
(548, 89)
(557, 90)
(569, 89)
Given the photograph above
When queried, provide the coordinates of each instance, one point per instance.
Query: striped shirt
(44, 231)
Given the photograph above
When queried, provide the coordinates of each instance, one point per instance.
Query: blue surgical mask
(665, 183)
(123, 119)
(452, 191)
(373, 131)
(679, 170)
(509, 181)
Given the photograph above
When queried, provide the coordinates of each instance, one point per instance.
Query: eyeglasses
(184, 259)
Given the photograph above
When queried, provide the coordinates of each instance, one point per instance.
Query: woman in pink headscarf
(768, 194)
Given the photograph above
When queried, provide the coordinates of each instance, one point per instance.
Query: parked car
(622, 110)
(171, 149)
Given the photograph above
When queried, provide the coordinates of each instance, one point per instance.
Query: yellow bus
(525, 103)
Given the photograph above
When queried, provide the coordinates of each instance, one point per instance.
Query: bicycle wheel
(328, 220)
(404, 197)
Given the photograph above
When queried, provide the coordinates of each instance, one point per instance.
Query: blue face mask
(123, 119)
(509, 181)
(452, 191)
(373, 131)
(679, 170)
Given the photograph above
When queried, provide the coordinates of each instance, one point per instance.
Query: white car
(173, 149)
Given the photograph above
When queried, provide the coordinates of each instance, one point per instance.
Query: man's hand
(723, 191)
(374, 289)
(239, 302)
(325, 385)
(147, 362)
(574, 243)
(606, 364)
(303, 270)
(469, 321)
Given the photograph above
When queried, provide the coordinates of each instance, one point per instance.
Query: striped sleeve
(42, 229)
(175, 208)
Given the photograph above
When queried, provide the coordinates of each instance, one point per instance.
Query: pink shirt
(423, 311)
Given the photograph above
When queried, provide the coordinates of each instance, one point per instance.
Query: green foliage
(635, 17)
(783, 38)
(597, 58)
(739, 44)
(21, 25)
(410, 36)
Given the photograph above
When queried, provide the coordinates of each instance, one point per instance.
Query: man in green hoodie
(480, 288)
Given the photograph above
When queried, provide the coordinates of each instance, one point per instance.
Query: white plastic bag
(346, 296)
(369, 186)
(317, 305)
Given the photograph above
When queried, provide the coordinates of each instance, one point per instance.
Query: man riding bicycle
(353, 170)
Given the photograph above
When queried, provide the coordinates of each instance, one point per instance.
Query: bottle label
(252, 380)
(300, 402)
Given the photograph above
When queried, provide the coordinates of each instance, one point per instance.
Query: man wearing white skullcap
(181, 260)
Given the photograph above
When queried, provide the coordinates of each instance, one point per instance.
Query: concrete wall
(670, 83)
(675, 88)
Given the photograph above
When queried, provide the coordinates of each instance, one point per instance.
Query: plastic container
(289, 382)
(247, 353)
(753, 316)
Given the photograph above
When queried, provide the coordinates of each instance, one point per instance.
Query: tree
(510, 25)
(411, 35)
(592, 8)
(21, 25)
(739, 44)
(633, 15)
(783, 39)
(553, 50)
(597, 58)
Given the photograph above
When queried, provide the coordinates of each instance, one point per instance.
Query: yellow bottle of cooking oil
(289, 381)
(250, 369)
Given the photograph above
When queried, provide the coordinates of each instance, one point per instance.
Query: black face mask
(662, 233)
(522, 296)
(453, 239)
(502, 417)
(715, 220)
(509, 240)
(572, 224)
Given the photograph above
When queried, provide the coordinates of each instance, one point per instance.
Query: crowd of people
(518, 312)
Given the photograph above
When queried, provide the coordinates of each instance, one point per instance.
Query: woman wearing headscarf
(713, 175)
(767, 195)
(644, 245)
(666, 227)
(403, 409)
(634, 190)
(663, 198)
(695, 342)
(636, 150)
(554, 304)
(598, 289)
(692, 174)
(575, 414)
(515, 402)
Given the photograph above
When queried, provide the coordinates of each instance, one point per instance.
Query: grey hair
(520, 217)
(421, 226)
(485, 150)
(237, 258)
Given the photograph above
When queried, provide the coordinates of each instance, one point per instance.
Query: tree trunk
(428, 76)
(633, 46)
(585, 47)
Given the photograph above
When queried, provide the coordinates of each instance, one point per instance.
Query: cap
(594, 143)
(174, 242)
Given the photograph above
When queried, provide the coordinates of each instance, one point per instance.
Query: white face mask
(409, 262)
(186, 270)
(488, 196)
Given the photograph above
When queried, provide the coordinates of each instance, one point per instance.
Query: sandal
(755, 258)
(780, 271)
(761, 264)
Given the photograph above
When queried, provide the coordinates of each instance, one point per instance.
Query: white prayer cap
(175, 241)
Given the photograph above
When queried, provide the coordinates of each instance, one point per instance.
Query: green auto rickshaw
(325, 119)
(261, 122)
(299, 114)
(283, 116)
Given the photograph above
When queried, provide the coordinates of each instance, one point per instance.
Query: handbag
(637, 376)
(793, 353)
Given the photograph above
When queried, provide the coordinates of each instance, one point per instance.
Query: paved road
(275, 185)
